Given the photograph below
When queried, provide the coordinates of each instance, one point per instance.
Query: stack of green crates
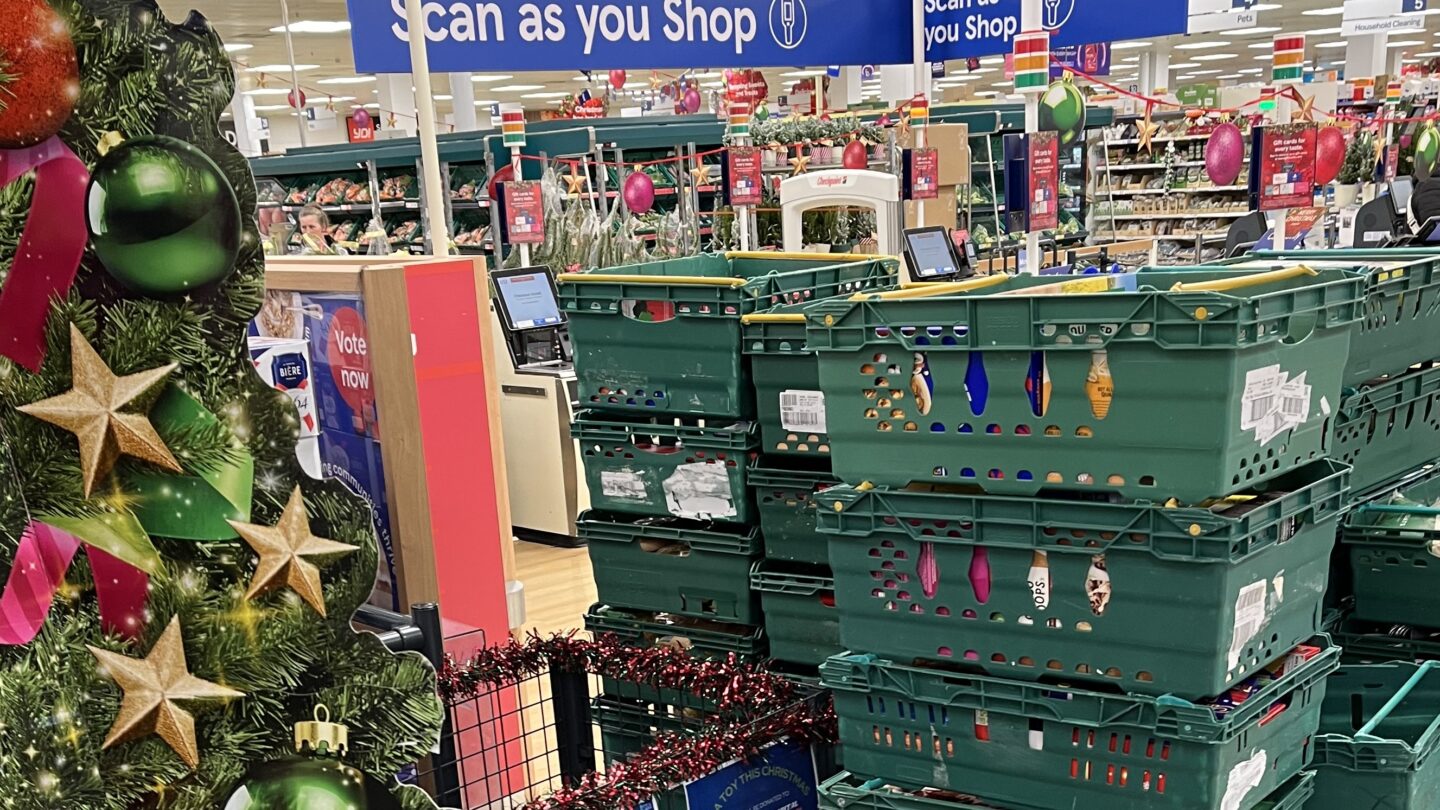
(1379, 733)
(1084, 535)
(670, 440)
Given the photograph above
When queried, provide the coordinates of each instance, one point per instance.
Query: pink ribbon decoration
(44, 556)
(50, 247)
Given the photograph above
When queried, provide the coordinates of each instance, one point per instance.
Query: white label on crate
(1278, 583)
(1249, 618)
(1325, 406)
(627, 485)
(803, 411)
(700, 491)
(1273, 403)
(1244, 777)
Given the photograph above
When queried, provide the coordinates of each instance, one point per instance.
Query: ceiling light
(443, 98)
(1203, 72)
(1214, 57)
(1230, 76)
(314, 27)
(803, 74)
(543, 95)
(979, 71)
(628, 86)
(1322, 32)
(1183, 65)
(1253, 71)
(1266, 7)
(1339, 43)
(338, 99)
(1405, 43)
(232, 47)
(348, 80)
(993, 60)
(709, 74)
(1428, 54)
(517, 88)
(1131, 59)
(987, 93)
(1201, 46)
(1265, 57)
(485, 102)
(490, 77)
(280, 68)
(1129, 46)
(1268, 46)
(268, 91)
(371, 106)
(1324, 12)
(271, 107)
(712, 84)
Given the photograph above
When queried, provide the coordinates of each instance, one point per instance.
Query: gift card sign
(1287, 167)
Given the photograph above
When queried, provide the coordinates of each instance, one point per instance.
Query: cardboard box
(943, 211)
(333, 324)
(356, 462)
(284, 364)
(952, 142)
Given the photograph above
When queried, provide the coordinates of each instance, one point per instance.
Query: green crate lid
(1399, 706)
(723, 538)
(701, 635)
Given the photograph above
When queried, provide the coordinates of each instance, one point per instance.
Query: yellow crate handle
(933, 290)
(772, 317)
(1228, 284)
(689, 281)
(838, 258)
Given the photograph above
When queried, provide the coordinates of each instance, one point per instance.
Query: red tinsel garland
(754, 709)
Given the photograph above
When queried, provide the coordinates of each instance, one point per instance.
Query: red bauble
(855, 156)
(1329, 154)
(41, 76)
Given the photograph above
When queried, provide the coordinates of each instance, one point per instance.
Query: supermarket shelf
(1173, 237)
(1132, 192)
(1171, 215)
(1130, 167)
(1175, 139)
(354, 208)
(787, 168)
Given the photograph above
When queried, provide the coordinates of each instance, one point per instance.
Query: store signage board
(1092, 60)
(1223, 21)
(1287, 167)
(524, 213)
(925, 174)
(1044, 180)
(664, 34)
(679, 34)
(958, 29)
(1392, 161)
(746, 177)
(1372, 9)
(782, 776)
(1383, 25)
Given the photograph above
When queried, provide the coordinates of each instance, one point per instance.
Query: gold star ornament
(1148, 130)
(101, 410)
(151, 687)
(1306, 111)
(701, 174)
(284, 549)
(575, 183)
(800, 163)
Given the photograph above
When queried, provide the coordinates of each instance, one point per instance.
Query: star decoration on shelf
(151, 687)
(1148, 129)
(100, 410)
(799, 163)
(391, 121)
(655, 80)
(283, 549)
(1307, 108)
(701, 174)
(575, 183)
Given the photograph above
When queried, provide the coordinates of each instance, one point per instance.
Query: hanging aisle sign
(959, 29)
(664, 34)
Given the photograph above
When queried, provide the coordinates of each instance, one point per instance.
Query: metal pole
(922, 85)
(446, 774)
(433, 185)
(517, 167)
(1030, 20)
(294, 74)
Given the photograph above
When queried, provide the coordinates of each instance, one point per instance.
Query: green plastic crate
(1054, 747)
(701, 637)
(664, 337)
(785, 500)
(1396, 575)
(626, 730)
(948, 577)
(1369, 643)
(653, 467)
(1209, 392)
(1388, 429)
(1379, 732)
(671, 565)
(1402, 305)
(846, 791)
(800, 615)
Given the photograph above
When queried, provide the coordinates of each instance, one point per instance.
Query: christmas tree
(176, 593)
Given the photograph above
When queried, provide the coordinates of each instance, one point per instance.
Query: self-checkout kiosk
(538, 394)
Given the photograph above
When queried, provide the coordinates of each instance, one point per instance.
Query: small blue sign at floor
(782, 778)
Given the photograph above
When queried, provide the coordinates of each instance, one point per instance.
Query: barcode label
(1249, 618)
(1259, 408)
(803, 410)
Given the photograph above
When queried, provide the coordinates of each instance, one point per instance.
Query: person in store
(315, 238)
(1425, 200)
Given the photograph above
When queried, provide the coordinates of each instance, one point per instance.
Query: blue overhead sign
(959, 29)
(514, 35)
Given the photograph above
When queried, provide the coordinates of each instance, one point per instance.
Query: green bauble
(1062, 109)
(162, 217)
(762, 112)
(309, 783)
(1427, 149)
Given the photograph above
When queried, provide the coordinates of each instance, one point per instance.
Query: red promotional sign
(1044, 180)
(1392, 161)
(357, 133)
(747, 181)
(925, 174)
(525, 213)
(1287, 167)
(748, 87)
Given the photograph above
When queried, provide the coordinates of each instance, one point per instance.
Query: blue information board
(782, 778)
(514, 35)
(959, 29)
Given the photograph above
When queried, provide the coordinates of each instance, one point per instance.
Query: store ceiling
(1244, 57)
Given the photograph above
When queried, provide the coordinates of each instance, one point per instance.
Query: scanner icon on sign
(789, 20)
(1057, 13)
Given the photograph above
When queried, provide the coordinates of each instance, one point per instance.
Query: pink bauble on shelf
(691, 101)
(1224, 154)
(617, 79)
(1329, 154)
(639, 192)
(361, 119)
